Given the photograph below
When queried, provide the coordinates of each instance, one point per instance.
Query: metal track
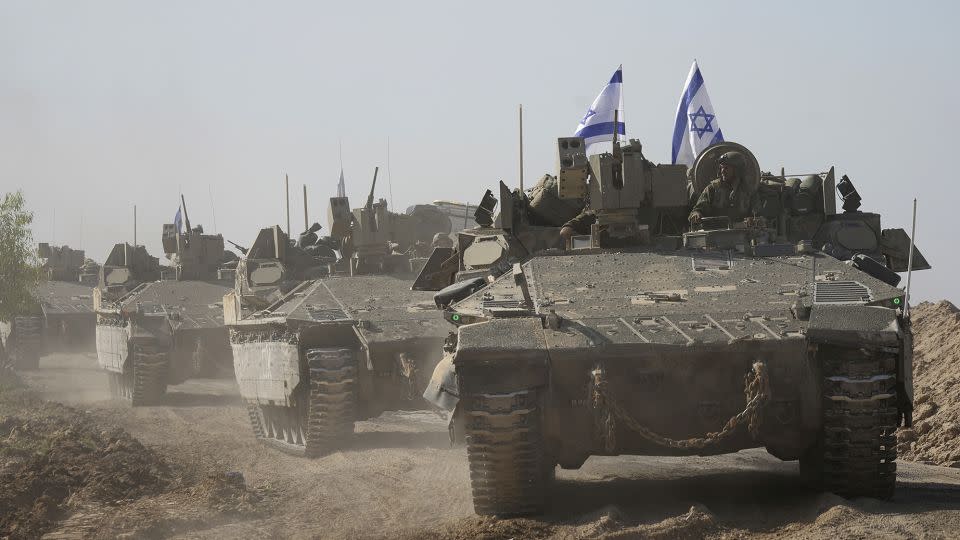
(27, 342)
(856, 452)
(510, 472)
(149, 377)
(323, 412)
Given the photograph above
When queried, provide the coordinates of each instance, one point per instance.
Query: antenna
(913, 235)
(213, 210)
(389, 178)
(53, 228)
(521, 147)
(306, 220)
(135, 225)
(287, 178)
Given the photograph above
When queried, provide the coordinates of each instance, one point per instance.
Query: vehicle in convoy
(161, 325)
(785, 331)
(62, 318)
(320, 342)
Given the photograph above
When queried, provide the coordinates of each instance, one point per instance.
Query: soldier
(578, 225)
(728, 195)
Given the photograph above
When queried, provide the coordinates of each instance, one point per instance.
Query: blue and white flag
(178, 221)
(597, 124)
(341, 187)
(696, 127)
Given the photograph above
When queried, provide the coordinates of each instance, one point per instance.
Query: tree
(19, 265)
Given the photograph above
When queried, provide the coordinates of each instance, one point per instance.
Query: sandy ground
(402, 479)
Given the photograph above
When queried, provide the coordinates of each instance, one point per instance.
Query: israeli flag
(178, 221)
(341, 187)
(597, 124)
(696, 127)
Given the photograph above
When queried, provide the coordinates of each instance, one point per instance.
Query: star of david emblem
(707, 127)
(590, 112)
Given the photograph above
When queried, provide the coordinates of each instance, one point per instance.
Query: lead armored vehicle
(786, 331)
(63, 317)
(159, 326)
(319, 344)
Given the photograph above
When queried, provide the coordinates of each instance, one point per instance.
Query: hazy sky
(104, 105)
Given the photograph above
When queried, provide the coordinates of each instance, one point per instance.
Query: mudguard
(442, 390)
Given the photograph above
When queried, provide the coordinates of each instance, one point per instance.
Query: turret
(60, 263)
(193, 254)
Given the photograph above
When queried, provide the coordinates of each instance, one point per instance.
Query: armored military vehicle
(785, 331)
(318, 345)
(63, 316)
(159, 326)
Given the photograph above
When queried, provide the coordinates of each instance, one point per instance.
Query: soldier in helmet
(729, 195)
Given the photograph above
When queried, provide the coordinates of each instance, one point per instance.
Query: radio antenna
(521, 147)
(213, 211)
(913, 236)
(389, 178)
(306, 220)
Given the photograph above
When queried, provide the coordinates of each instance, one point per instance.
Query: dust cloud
(207, 477)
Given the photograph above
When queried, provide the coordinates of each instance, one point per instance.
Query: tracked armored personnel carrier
(785, 331)
(313, 355)
(153, 333)
(63, 317)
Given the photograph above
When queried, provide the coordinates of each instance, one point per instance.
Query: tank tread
(857, 451)
(149, 377)
(119, 385)
(509, 469)
(253, 412)
(27, 343)
(332, 400)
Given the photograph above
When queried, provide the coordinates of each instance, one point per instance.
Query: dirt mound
(935, 437)
(488, 528)
(54, 456)
(58, 466)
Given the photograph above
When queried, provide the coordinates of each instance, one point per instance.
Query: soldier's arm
(578, 225)
(581, 224)
(702, 206)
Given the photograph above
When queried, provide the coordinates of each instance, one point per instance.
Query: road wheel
(856, 451)
(510, 471)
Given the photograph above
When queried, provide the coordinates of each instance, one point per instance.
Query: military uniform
(582, 222)
(718, 199)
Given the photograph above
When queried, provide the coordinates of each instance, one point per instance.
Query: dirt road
(401, 479)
